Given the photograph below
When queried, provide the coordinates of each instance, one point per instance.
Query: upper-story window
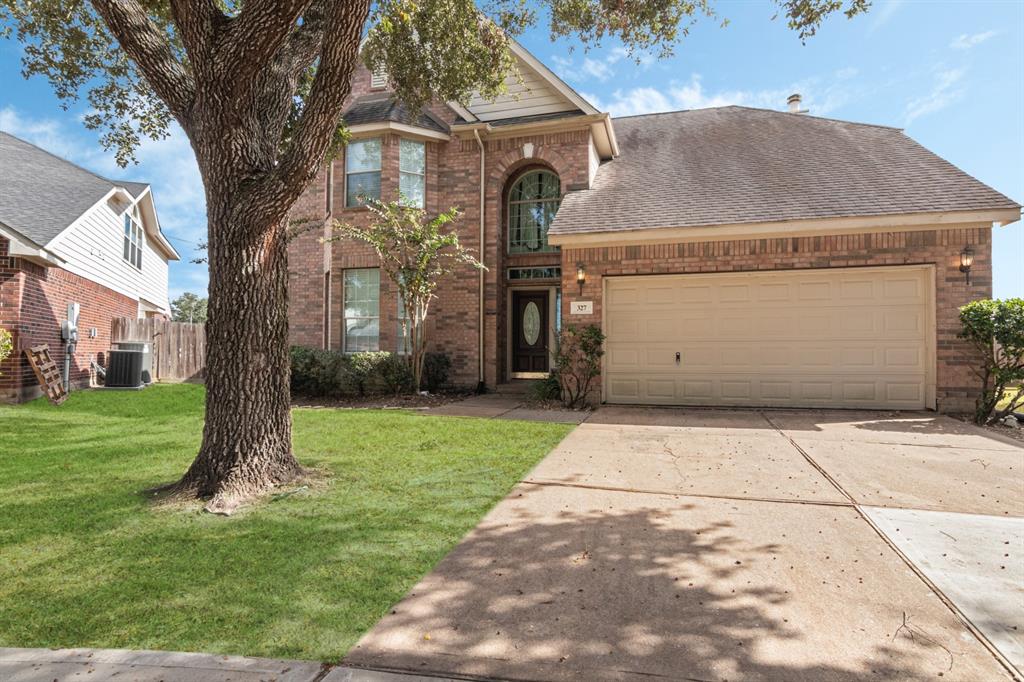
(412, 169)
(362, 171)
(532, 204)
(133, 237)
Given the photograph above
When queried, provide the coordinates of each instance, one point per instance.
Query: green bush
(995, 331)
(6, 344)
(436, 367)
(547, 388)
(578, 362)
(333, 374)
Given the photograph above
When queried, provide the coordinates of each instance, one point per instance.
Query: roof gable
(536, 91)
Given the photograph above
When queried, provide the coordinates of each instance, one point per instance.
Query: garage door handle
(677, 358)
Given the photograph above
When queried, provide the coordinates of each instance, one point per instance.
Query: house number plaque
(581, 308)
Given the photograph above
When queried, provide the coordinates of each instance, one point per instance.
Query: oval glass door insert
(531, 323)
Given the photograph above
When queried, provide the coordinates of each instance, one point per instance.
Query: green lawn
(86, 561)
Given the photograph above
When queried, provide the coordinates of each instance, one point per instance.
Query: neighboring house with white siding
(67, 236)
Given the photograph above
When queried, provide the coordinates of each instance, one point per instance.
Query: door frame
(552, 317)
(931, 350)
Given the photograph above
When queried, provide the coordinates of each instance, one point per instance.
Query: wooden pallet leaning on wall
(47, 373)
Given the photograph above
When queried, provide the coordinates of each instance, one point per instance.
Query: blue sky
(950, 73)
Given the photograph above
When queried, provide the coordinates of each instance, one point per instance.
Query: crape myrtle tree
(415, 252)
(258, 88)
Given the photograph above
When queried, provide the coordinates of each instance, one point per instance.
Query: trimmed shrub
(547, 388)
(334, 374)
(436, 367)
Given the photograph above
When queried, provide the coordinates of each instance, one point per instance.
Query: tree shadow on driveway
(563, 583)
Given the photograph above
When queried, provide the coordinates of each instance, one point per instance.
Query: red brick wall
(33, 302)
(955, 385)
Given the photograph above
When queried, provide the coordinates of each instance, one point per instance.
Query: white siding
(93, 248)
(531, 97)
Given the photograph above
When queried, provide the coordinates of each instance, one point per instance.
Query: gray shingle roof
(377, 109)
(739, 165)
(41, 194)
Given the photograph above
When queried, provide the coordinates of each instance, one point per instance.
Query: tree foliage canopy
(444, 49)
(189, 308)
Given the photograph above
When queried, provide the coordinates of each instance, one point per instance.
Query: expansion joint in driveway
(739, 498)
(998, 655)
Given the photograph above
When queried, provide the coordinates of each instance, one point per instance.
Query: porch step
(516, 386)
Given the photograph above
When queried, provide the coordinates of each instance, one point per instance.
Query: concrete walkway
(712, 544)
(506, 406)
(64, 665)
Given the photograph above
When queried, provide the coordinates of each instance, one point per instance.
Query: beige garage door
(844, 337)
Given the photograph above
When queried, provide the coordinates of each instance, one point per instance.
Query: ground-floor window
(404, 338)
(362, 310)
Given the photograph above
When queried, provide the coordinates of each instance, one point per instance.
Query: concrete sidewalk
(64, 665)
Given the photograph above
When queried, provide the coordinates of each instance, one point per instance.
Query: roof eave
(909, 222)
(21, 246)
(377, 127)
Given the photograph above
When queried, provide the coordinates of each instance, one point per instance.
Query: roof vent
(794, 104)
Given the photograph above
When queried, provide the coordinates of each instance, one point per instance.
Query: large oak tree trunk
(246, 445)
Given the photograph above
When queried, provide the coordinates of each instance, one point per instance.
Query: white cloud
(168, 165)
(821, 97)
(946, 90)
(966, 41)
(882, 13)
(600, 67)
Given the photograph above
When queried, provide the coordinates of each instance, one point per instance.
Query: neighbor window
(412, 166)
(133, 239)
(532, 204)
(362, 171)
(362, 310)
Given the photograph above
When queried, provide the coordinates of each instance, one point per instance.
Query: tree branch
(331, 86)
(197, 21)
(255, 37)
(151, 51)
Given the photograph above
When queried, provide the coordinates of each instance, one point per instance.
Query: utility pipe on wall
(480, 335)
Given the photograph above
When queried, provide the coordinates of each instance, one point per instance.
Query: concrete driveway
(754, 545)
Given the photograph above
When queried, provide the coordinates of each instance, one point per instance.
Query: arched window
(532, 203)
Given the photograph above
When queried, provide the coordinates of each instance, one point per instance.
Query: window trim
(133, 238)
(401, 172)
(509, 203)
(344, 312)
(378, 171)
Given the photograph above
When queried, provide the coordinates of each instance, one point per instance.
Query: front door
(529, 332)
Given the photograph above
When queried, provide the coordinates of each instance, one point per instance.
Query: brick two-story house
(69, 236)
(733, 256)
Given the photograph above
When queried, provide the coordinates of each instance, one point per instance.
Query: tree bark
(246, 446)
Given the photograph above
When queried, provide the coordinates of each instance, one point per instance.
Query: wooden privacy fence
(179, 348)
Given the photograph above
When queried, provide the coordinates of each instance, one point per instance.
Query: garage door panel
(839, 338)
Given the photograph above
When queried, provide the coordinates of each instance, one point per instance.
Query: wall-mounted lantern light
(966, 261)
(581, 276)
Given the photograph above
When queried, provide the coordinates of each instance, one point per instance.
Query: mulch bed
(382, 402)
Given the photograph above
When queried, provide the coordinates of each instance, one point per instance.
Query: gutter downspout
(480, 340)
